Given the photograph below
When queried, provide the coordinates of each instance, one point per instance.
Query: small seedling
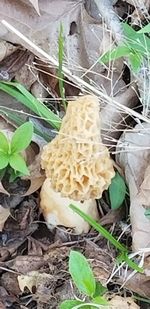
(136, 48)
(10, 151)
(83, 278)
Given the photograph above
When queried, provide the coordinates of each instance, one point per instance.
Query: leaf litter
(33, 258)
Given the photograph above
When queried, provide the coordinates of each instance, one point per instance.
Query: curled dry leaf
(134, 157)
(32, 279)
(4, 214)
(35, 4)
(122, 302)
(6, 49)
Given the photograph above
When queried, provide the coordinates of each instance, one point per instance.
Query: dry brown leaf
(115, 122)
(139, 283)
(4, 214)
(124, 303)
(32, 279)
(29, 280)
(134, 157)
(35, 4)
(6, 49)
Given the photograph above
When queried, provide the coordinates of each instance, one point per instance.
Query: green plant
(117, 191)
(123, 251)
(10, 151)
(60, 71)
(136, 47)
(83, 278)
(23, 96)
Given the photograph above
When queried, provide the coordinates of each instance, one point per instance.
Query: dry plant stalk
(76, 161)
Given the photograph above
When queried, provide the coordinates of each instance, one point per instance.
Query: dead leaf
(6, 49)
(134, 158)
(28, 281)
(32, 279)
(4, 214)
(122, 302)
(114, 123)
(138, 283)
(35, 4)
(26, 263)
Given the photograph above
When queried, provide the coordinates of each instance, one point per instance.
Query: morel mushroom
(77, 165)
(76, 161)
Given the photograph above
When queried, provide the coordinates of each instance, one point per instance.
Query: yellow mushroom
(76, 162)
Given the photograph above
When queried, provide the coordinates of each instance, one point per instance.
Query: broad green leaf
(100, 300)
(145, 29)
(136, 61)
(81, 273)
(100, 290)
(4, 145)
(14, 175)
(117, 191)
(22, 137)
(17, 162)
(4, 160)
(69, 304)
(116, 53)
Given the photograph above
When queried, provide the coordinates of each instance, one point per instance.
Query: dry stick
(74, 78)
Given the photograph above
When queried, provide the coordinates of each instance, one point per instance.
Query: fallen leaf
(4, 214)
(134, 158)
(28, 281)
(32, 279)
(6, 49)
(35, 4)
(138, 283)
(122, 302)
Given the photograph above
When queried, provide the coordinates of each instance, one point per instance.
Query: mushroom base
(56, 211)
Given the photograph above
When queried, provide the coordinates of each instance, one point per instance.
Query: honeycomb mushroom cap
(76, 161)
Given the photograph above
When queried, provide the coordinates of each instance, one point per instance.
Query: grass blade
(60, 67)
(26, 98)
(109, 237)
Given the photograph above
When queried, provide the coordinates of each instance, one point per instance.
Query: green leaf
(100, 290)
(69, 304)
(145, 29)
(136, 61)
(82, 273)
(17, 162)
(26, 98)
(22, 137)
(116, 53)
(117, 191)
(147, 213)
(4, 160)
(4, 145)
(100, 300)
(99, 228)
(60, 68)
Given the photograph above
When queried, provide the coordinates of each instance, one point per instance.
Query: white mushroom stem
(56, 211)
